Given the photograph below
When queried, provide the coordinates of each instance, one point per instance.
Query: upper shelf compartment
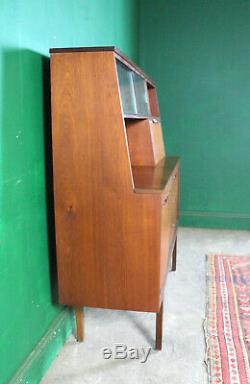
(133, 91)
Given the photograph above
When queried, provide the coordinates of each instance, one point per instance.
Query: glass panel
(141, 95)
(125, 77)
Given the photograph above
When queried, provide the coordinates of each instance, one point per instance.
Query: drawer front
(174, 201)
(165, 235)
(169, 219)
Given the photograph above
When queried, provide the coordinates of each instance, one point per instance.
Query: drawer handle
(174, 177)
(154, 121)
(165, 200)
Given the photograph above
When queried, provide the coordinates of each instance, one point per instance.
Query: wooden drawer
(169, 218)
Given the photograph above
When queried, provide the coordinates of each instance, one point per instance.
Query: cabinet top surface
(120, 56)
(154, 179)
(86, 49)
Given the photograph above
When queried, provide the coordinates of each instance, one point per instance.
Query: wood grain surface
(113, 230)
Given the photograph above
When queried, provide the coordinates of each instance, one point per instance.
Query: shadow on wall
(49, 176)
(28, 211)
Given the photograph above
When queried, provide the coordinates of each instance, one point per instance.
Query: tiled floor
(182, 359)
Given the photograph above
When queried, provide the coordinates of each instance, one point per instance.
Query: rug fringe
(205, 323)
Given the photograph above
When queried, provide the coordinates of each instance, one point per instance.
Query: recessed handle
(165, 200)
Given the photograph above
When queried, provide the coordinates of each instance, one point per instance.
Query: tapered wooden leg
(174, 256)
(79, 324)
(159, 323)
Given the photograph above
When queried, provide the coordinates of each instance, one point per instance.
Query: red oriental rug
(227, 324)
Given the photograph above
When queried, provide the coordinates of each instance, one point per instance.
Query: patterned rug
(227, 324)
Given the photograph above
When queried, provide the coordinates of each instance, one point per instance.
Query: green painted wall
(27, 264)
(198, 53)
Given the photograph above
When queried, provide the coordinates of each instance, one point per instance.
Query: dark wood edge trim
(83, 49)
(119, 55)
(142, 117)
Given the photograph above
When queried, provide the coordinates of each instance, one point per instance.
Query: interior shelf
(153, 179)
(142, 117)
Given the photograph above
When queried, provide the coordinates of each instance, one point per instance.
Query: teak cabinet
(115, 190)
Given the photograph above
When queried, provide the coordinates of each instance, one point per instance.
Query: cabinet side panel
(90, 166)
(101, 261)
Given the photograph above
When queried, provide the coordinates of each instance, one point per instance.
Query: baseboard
(225, 220)
(39, 360)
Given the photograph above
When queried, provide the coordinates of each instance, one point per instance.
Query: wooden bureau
(115, 190)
